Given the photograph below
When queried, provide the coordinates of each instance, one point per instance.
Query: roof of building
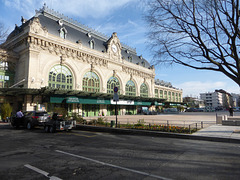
(78, 33)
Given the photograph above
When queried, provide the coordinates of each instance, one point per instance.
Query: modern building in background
(218, 100)
(53, 61)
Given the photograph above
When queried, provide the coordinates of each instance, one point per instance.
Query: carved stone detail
(37, 44)
(36, 27)
(136, 72)
(115, 53)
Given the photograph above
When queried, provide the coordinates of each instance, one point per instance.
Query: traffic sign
(115, 97)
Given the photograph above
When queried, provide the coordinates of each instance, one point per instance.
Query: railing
(149, 124)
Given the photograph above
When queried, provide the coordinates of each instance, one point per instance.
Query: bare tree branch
(200, 34)
(3, 33)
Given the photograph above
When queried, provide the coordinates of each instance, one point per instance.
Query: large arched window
(91, 82)
(143, 90)
(60, 77)
(112, 82)
(130, 88)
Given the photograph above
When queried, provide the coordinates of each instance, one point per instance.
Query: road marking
(115, 166)
(42, 172)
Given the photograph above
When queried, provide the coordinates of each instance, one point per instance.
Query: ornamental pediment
(36, 27)
(114, 47)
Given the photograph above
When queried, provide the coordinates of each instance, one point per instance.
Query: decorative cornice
(136, 72)
(35, 43)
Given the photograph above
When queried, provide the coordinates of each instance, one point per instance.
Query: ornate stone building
(51, 61)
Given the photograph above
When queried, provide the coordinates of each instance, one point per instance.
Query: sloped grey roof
(78, 32)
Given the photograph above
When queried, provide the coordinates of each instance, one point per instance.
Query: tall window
(91, 82)
(130, 88)
(112, 82)
(169, 96)
(143, 90)
(173, 96)
(165, 94)
(60, 77)
(161, 94)
(176, 95)
(156, 93)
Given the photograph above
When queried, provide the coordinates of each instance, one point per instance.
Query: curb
(155, 134)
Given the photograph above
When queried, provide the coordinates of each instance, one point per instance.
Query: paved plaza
(182, 119)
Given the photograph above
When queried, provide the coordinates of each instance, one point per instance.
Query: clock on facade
(114, 48)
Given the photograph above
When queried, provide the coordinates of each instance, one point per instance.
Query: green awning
(142, 103)
(94, 101)
(56, 99)
(72, 99)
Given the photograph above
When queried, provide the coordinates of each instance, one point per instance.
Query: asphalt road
(90, 155)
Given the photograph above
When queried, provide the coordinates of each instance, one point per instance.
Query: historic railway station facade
(53, 61)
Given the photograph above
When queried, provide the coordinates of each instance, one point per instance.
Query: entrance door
(111, 110)
(91, 110)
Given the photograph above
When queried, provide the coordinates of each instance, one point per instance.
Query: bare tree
(200, 34)
(3, 33)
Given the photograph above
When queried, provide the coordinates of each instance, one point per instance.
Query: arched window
(130, 88)
(91, 82)
(112, 82)
(60, 77)
(143, 90)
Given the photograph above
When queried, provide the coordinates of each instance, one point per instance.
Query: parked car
(30, 119)
(195, 110)
(170, 111)
(57, 122)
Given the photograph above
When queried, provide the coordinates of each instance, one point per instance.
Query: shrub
(78, 118)
(6, 110)
(139, 123)
(100, 121)
(92, 122)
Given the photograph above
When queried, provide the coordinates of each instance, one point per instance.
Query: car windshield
(33, 113)
(41, 113)
(28, 113)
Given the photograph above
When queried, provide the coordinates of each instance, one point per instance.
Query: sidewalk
(217, 133)
(220, 131)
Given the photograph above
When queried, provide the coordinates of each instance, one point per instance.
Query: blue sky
(126, 18)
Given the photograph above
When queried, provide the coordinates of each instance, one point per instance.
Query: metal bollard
(202, 125)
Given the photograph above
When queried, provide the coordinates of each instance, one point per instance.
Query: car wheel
(46, 129)
(29, 125)
(52, 129)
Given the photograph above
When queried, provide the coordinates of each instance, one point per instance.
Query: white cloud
(194, 88)
(80, 8)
